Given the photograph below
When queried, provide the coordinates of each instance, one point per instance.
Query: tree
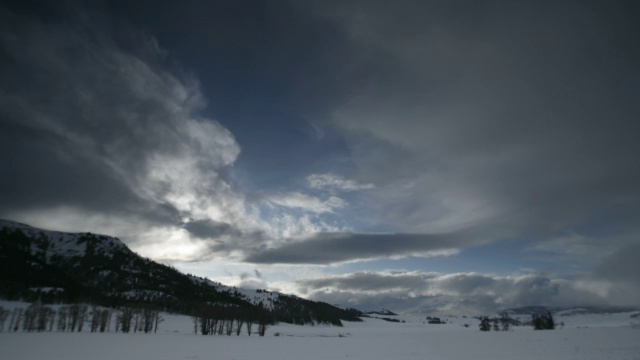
(262, 328)
(485, 325)
(82, 314)
(249, 325)
(3, 317)
(543, 322)
(196, 322)
(229, 326)
(62, 318)
(100, 319)
(124, 319)
(264, 319)
(239, 322)
(551, 324)
(29, 319)
(77, 314)
(505, 321)
(95, 318)
(19, 313)
(149, 319)
(158, 319)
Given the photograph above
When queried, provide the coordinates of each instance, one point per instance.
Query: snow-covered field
(582, 337)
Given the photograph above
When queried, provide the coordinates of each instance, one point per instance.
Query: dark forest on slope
(52, 267)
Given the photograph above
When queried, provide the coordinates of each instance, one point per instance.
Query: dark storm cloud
(622, 266)
(327, 248)
(210, 229)
(520, 116)
(96, 129)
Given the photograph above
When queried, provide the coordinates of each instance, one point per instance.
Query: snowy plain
(602, 336)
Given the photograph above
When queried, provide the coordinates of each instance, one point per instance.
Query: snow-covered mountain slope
(47, 265)
(50, 244)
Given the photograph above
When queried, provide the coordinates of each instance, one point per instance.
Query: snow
(583, 337)
(64, 244)
(254, 296)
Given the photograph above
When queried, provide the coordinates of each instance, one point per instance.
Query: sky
(445, 157)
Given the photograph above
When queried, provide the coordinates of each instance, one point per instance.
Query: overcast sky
(453, 156)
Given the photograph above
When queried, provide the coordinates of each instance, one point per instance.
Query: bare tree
(77, 315)
(158, 319)
(29, 318)
(14, 314)
(95, 318)
(4, 314)
(82, 314)
(249, 325)
(149, 320)
(239, 322)
(73, 317)
(62, 318)
(505, 321)
(52, 319)
(105, 320)
(136, 317)
(262, 328)
(43, 317)
(124, 319)
(229, 326)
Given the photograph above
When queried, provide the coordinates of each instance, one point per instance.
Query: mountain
(569, 310)
(384, 312)
(53, 266)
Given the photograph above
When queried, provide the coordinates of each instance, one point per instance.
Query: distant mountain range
(51, 266)
(568, 310)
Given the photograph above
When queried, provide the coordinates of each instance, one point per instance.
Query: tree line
(228, 320)
(73, 318)
(503, 322)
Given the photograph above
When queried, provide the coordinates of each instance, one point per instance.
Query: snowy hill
(51, 244)
(53, 266)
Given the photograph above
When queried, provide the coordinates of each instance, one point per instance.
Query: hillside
(52, 266)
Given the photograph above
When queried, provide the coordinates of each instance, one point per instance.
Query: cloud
(457, 293)
(502, 116)
(210, 229)
(101, 133)
(622, 266)
(329, 248)
(335, 182)
(500, 122)
(298, 200)
(96, 138)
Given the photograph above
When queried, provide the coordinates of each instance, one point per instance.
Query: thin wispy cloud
(336, 182)
(304, 202)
